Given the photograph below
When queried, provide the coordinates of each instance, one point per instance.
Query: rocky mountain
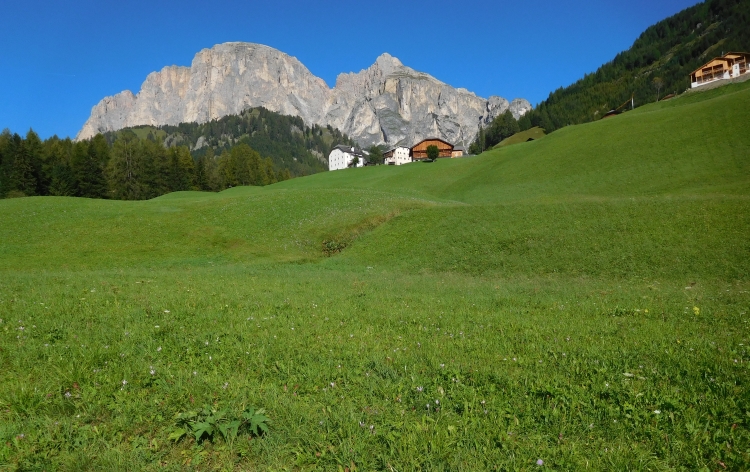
(388, 103)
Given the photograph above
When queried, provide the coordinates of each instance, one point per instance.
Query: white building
(343, 156)
(397, 156)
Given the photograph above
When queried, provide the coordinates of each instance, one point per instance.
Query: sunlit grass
(580, 301)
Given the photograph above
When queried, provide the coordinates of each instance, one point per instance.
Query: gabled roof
(725, 57)
(350, 150)
(433, 139)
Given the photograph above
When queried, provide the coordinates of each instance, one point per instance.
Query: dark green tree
(22, 173)
(86, 163)
(125, 168)
(376, 154)
(433, 152)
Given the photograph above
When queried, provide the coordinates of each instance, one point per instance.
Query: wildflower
(226, 384)
(195, 373)
(333, 384)
(657, 412)
(437, 402)
(419, 389)
(124, 382)
(68, 395)
(372, 428)
(539, 462)
(696, 311)
(152, 371)
(361, 424)
(166, 311)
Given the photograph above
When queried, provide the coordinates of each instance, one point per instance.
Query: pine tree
(87, 169)
(34, 151)
(124, 171)
(23, 173)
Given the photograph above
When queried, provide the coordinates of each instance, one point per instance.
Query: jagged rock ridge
(388, 103)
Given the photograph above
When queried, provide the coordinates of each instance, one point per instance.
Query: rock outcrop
(388, 103)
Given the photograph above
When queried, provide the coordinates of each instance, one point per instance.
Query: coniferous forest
(258, 147)
(659, 63)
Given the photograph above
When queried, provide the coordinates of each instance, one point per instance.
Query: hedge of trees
(130, 168)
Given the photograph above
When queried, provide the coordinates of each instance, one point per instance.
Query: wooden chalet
(419, 150)
(728, 66)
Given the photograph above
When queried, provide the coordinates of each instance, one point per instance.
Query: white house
(343, 156)
(397, 156)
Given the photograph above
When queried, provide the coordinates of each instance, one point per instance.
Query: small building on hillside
(397, 156)
(342, 157)
(728, 66)
(458, 151)
(419, 150)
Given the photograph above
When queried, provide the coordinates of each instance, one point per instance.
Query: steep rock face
(388, 103)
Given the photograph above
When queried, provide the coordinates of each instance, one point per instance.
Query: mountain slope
(669, 50)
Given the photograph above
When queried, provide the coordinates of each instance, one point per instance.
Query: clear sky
(59, 58)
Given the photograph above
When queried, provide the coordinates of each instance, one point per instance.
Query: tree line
(289, 142)
(503, 126)
(127, 168)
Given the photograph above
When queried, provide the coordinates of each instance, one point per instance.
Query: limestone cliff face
(387, 103)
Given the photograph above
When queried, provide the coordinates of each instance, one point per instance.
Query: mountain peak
(387, 62)
(385, 103)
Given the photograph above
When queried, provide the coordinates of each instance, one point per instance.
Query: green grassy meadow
(577, 302)
(522, 137)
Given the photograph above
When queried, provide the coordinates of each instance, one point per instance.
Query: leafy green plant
(210, 423)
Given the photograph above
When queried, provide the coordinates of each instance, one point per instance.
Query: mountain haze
(388, 103)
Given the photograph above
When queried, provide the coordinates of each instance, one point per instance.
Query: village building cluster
(342, 157)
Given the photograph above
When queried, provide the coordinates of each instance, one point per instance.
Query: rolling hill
(568, 302)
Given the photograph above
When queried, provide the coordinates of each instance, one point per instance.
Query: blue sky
(59, 58)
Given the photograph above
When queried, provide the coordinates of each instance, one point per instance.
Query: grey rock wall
(387, 103)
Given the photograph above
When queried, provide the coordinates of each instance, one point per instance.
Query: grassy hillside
(573, 300)
(522, 137)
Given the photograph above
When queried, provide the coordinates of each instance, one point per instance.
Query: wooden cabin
(728, 66)
(419, 150)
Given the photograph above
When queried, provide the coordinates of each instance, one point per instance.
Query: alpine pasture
(580, 301)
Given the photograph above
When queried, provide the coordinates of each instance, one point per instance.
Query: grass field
(576, 302)
(522, 137)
